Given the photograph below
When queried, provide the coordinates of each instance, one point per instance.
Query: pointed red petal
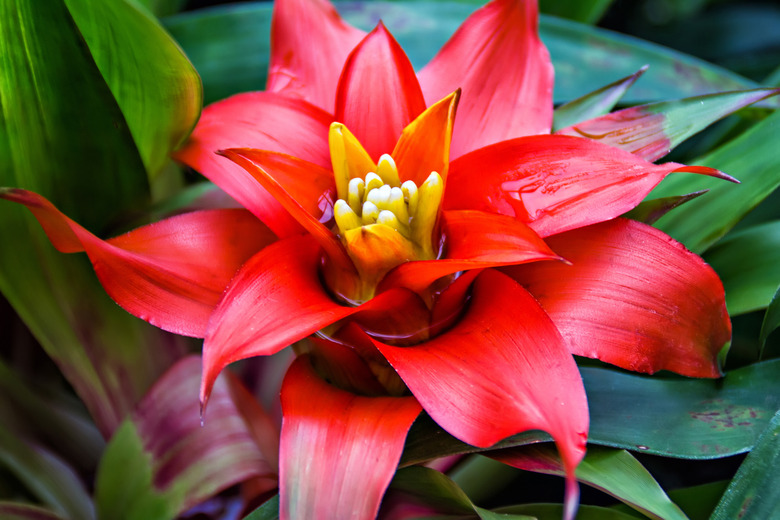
(170, 273)
(261, 120)
(378, 93)
(498, 60)
(554, 183)
(474, 240)
(502, 369)
(424, 146)
(309, 45)
(339, 451)
(633, 297)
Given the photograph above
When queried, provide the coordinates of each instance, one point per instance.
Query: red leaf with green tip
(339, 450)
(554, 183)
(163, 461)
(632, 297)
(310, 45)
(498, 60)
(378, 93)
(170, 273)
(501, 370)
(475, 240)
(651, 131)
(261, 120)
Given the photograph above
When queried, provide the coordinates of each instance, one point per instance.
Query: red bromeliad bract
(447, 253)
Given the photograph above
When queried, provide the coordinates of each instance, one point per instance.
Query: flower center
(381, 220)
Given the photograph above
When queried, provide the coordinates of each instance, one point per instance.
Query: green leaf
(268, 511)
(161, 7)
(649, 211)
(152, 80)
(752, 158)
(555, 512)
(46, 475)
(63, 135)
(748, 263)
(229, 46)
(667, 416)
(616, 472)
(438, 491)
(594, 104)
(162, 461)
(585, 11)
(770, 323)
(18, 511)
(699, 501)
(754, 491)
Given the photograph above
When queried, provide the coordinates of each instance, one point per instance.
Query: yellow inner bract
(381, 221)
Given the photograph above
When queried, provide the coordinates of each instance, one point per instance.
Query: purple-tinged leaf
(161, 461)
(652, 131)
(649, 211)
(594, 104)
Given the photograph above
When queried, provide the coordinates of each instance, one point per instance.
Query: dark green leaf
(268, 511)
(754, 492)
(555, 512)
(748, 263)
(752, 158)
(649, 211)
(154, 84)
(770, 323)
(698, 501)
(585, 11)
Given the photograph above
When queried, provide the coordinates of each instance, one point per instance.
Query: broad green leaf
(46, 476)
(438, 491)
(616, 472)
(770, 323)
(18, 511)
(649, 211)
(585, 11)
(752, 158)
(748, 263)
(698, 502)
(229, 46)
(668, 416)
(162, 461)
(152, 80)
(63, 135)
(593, 104)
(754, 491)
(555, 512)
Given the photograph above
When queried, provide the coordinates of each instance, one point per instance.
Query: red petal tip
(706, 170)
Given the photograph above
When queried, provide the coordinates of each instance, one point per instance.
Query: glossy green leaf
(585, 11)
(438, 491)
(18, 511)
(752, 158)
(162, 461)
(229, 47)
(50, 479)
(748, 263)
(594, 104)
(754, 492)
(268, 511)
(705, 418)
(649, 211)
(152, 80)
(770, 323)
(162, 7)
(555, 512)
(616, 472)
(63, 135)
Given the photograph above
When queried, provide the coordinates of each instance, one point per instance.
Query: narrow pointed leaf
(753, 159)
(152, 80)
(498, 60)
(615, 472)
(649, 211)
(19, 511)
(454, 375)
(754, 492)
(475, 240)
(652, 131)
(170, 273)
(634, 298)
(770, 323)
(553, 183)
(339, 450)
(311, 45)
(594, 104)
(162, 461)
(748, 263)
(378, 93)
(261, 120)
(555, 512)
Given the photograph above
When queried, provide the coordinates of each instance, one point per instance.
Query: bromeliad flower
(407, 281)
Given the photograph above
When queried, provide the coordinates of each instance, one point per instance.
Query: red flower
(453, 289)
